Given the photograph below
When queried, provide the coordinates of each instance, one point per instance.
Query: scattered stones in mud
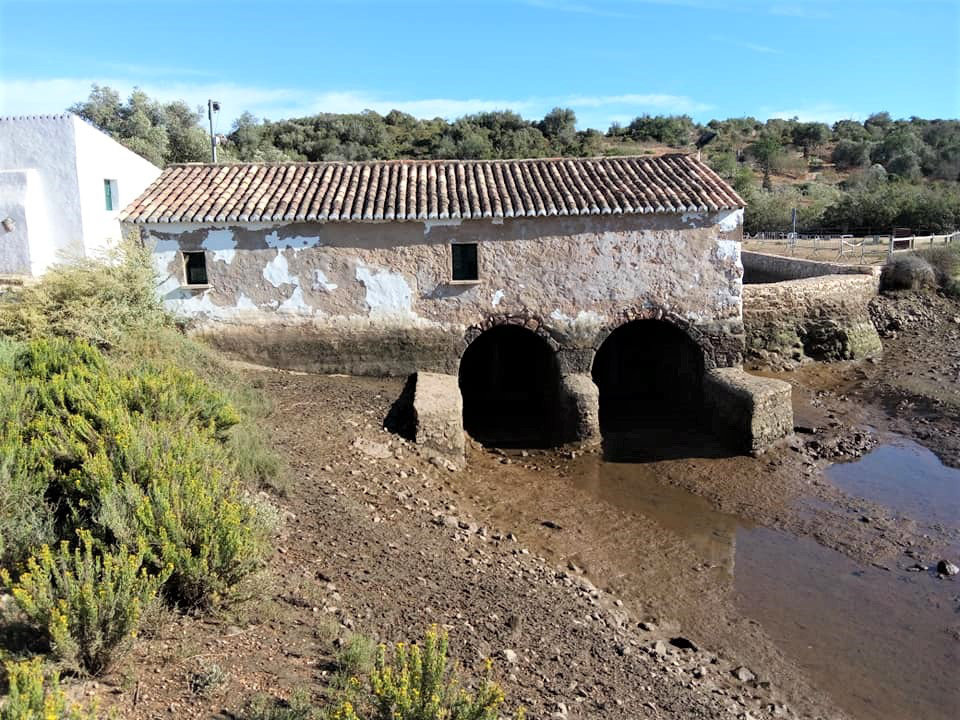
(895, 312)
(947, 568)
(847, 445)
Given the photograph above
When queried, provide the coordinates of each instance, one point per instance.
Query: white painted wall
(100, 158)
(62, 162)
(45, 145)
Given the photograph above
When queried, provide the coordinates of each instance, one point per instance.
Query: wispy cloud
(159, 71)
(665, 103)
(49, 95)
(766, 50)
(727, 41)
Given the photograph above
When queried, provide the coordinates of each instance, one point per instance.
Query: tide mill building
(562, 298)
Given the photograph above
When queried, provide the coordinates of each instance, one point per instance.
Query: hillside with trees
(852, 176)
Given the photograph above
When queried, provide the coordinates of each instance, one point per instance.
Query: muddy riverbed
(788, 582)
(880, 639)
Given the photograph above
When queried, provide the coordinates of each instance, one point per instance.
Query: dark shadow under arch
(650, 377)
(510, 382)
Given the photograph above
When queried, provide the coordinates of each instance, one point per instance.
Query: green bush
(192, 515)
(32, 697)
(135, 453)
(945, 260)
(299, 707)
(96, 300)
(88, 603)
(357, 656)
(416, 683)
(26, 520)
(907, 272)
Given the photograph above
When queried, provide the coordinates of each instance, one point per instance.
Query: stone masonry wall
(764, 268)
(377, 298)
(821, 318)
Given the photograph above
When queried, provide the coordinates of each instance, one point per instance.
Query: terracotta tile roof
(430, 189)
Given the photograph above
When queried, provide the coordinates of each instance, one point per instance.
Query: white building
(62, 186)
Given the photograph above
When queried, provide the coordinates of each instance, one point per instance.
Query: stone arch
(649, 372)
(531, 322)
(509, 378)
(721, 347)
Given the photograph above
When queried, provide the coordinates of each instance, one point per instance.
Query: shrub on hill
(907, 272)
(87, 603)
(415, 682)
(97, 300)
(945, 260)
(31, 696)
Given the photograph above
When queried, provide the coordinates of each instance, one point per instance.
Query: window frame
(184, 257)
(111, 195)
(465, 281)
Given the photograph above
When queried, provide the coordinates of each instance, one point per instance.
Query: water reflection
(634, 488)
(906, 477)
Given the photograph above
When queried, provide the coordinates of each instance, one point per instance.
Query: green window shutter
(108, 194)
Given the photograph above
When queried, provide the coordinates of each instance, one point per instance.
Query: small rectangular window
(195, 268)
(465, 266)
(111, 201)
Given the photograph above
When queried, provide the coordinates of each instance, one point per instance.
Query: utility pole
(212, 107)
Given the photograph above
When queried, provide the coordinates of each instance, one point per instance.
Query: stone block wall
(819, 318)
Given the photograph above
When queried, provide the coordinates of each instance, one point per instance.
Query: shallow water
(880, 642)
(884, 644)
(905, 477)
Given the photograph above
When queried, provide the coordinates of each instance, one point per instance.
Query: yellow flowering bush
(415, 683)
(32, 697)
(137, 453)
(192, 516)
(88, 603)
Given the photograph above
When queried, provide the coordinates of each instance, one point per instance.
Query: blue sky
(608, 60)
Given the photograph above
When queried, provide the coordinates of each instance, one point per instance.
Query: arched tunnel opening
(510, 383)
(649, 374)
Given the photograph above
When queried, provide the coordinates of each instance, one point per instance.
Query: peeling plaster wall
(314, 289)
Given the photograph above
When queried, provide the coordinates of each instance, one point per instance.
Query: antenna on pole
(212, 107)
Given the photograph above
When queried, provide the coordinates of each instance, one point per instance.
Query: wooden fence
(863, 249)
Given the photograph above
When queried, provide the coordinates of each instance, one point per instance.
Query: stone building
(62, 186)
(542, 285)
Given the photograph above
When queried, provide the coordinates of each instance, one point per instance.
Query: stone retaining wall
(819, 318)
(765, 268)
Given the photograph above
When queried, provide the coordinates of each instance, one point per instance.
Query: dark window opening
(465, 265)
(510, 382)
(650, 377)
(195, 268)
